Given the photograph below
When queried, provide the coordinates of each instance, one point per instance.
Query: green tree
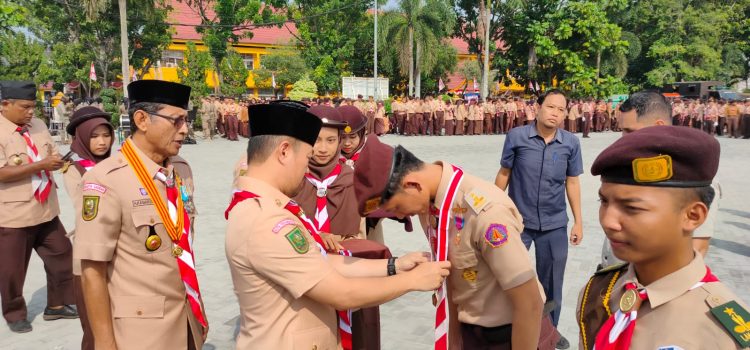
(11, 15)
(303, 88)
(285, 64)
(226, 21)
(20, 57)
(192, 71)
(417, 29)
(235, 74)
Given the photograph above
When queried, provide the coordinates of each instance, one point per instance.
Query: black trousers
(55, 250)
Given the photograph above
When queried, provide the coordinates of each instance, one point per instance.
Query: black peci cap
(159, 91)
(17, 90)
(284, 118)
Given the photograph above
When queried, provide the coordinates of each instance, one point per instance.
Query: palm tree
(417, 29)
(93, 7)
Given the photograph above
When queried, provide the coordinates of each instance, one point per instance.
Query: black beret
(371, 174)
(83, 114)
(352, 116)
(17, 90)
(328, 115)
(287, 118)
(159, 91)
(660, 156)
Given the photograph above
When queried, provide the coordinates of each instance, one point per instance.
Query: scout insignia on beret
(476, 200)
(496, 235)
(90, 207)
(469, 275)
(736, 320)
(298, 241)
(652, 169)
(347, 129)
(372, 204)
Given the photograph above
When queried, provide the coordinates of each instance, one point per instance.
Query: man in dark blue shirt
(540, 164)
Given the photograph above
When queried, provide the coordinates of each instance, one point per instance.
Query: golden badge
(347, 129)
(652, 169)
(630, 301)
(153, 243)
(16, 160)
(176, 251)
(470, 275)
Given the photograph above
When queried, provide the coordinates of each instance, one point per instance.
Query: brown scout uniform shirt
(18, 207)
(148, 299)
(674, 314)
(72, 180)
(481, 273)
(271, 275)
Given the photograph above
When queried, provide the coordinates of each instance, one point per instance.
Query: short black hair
(648, 104)
(404, 162)
(705, 194)
(550, 92)
(259, 148)
(148, 107)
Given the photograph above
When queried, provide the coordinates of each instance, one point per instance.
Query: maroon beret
(371, 174)
(661, 156)
(83, 114)
(328, 115)
(352, 116)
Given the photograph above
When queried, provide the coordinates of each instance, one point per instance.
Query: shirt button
(315, 347)
(715, 299)
(151, 221)
(139, 312)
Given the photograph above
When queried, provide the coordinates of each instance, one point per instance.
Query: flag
(476, 85)
(92, 72)
(441, 86)
(537, 86)
(531, 85)
(135, 75)
(273, 80)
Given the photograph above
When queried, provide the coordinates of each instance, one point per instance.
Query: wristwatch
(391, 266)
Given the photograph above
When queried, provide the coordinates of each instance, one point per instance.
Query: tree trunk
(124, 46)
(218, 80)
(418, 72)
(411, 61)
(598, 64)
(532, 60)
(485, 13)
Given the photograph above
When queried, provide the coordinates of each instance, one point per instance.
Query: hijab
(82, 141)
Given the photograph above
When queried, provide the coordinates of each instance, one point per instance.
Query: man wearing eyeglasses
(134, 232)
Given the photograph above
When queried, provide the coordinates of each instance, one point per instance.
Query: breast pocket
(319, 338)
(147, 224)
(465, 270)
(138, 306)
(557, 162)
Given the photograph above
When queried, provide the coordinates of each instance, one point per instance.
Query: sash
(41, 182)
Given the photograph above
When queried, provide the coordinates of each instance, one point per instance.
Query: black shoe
(562, 343)
(22, 326)
(66, 311)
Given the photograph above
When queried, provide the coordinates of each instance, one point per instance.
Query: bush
(303, 88)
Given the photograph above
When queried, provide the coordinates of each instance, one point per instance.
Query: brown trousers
(55, 250)
(370, 122)
(459, 129)
(449, 127)
(87, 343)
(488, 120)
(478, 127)
(499, 338)
(733, 124)
(232, 127)
(399, 128)
(469, 127)
(587, 124)
(438, 123)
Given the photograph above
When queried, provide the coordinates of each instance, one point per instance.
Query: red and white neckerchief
(617, 331)
(354, 158)
(321, 220)
(345, 316)
(86, 164)
(41, 182)
(439, 245)
(184, 247)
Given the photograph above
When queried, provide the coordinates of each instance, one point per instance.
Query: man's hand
(52, 162)
(330, 242)
(429, 276)
(411, 260)
(576, 234)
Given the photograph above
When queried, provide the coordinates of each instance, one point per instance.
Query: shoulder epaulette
(611, 268)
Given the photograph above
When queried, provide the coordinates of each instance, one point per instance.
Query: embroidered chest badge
(736, 320)
(298, 241)
(496, 235)
(90, 207)
(476, 200)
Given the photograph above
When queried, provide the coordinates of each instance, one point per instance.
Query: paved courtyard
(406, 322)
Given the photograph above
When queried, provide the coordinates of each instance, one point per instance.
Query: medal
(350, 163)
(459, 220)
(184, 193)
(153, 243)
(176, 251)
(630, 301)
(457, 239)
(16, 160)
(322, 192)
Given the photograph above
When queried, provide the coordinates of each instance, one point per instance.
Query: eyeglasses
(177, 122)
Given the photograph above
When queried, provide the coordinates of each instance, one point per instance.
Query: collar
(9, 126)
(533, 133)
(262, 189)
(445, 180)
(671, 286)
(150, 165)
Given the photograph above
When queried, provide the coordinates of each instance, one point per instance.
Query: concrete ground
(406, 322)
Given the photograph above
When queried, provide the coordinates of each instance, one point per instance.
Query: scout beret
(159, 91)
(83, 114)
(354, 117)
(328, 115)
(284, 118)
(17, 90)
(660, 156)
(371, 174)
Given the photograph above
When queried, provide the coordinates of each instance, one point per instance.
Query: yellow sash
(174, 231)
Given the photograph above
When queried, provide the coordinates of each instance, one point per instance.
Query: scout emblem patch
(476, 200)
(90, 207)
(298, 241)
(469, 275)
(371, 205)
(736, 320)
(496, 235)
(652, 169)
